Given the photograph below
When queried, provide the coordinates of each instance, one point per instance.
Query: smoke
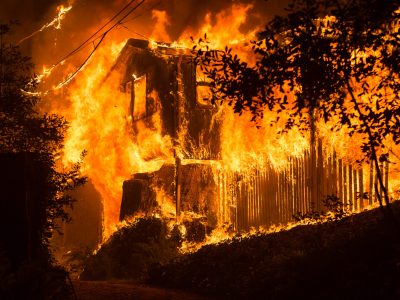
(163, 20)
(191, 13)
(87, 14)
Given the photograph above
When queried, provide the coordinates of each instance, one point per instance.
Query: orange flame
(100, 123)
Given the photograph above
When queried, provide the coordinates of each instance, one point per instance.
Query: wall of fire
(266, 196)
(262, 196)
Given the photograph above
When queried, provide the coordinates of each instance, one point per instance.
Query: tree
(33, 187)
(330, 60)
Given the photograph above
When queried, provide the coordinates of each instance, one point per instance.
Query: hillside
(357, 257)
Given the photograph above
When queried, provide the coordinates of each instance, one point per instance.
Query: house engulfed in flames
(161, 80)
(158, 78)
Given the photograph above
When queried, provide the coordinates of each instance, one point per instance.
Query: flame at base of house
(162, 148)
(198, 177)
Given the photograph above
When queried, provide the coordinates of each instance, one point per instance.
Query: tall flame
(101, 125)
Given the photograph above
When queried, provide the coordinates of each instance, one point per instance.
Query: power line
(102, 36)
(70, 77)
(132, 19)
(139, 15)
(94, 34)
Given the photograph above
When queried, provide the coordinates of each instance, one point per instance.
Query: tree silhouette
(336, 61)
(33, 188)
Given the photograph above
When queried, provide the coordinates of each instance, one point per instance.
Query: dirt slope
(127, 290)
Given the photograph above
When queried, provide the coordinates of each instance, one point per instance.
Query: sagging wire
(60, 85)
(136, 17)
(71, 76)
(137, 33)
(87, 42)
(141, 14)
(89, 39)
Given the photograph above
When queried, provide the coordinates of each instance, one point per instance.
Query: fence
(266, 196)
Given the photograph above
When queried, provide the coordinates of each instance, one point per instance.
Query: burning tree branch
(321, 63)
(55, 23)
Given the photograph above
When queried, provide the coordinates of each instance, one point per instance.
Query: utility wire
(127, 21)
(137, 33)
(94, 34)
(141, 14)
(103, 35)
(71, 76)
(127, 15)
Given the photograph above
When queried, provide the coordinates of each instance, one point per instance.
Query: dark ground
(357, 257)
(128, 290)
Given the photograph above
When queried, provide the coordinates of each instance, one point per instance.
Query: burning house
(155, 144)
(159, 78)
(161, 84)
